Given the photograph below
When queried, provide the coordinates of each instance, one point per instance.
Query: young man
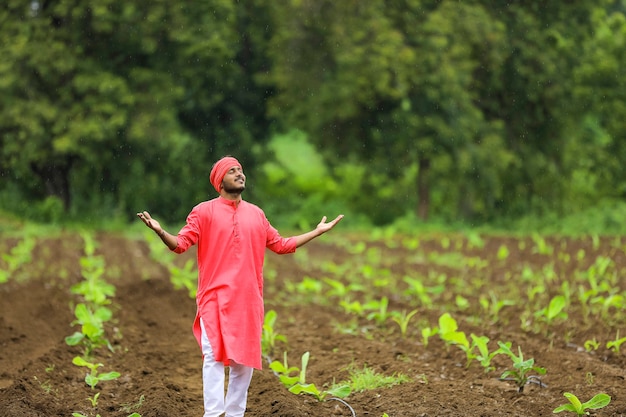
(231, 235)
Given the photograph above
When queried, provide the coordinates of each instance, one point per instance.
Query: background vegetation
(394, 112)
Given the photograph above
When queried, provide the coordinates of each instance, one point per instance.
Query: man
(231, 235)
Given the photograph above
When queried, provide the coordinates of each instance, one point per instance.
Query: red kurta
(231, 241)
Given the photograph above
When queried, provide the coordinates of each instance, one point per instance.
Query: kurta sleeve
(278, 244)
(189, 234)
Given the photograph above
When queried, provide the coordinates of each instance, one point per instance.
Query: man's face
(234, 181)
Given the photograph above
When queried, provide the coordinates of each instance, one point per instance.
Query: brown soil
(159, 360)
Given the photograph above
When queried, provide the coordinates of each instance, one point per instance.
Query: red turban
(219, 170)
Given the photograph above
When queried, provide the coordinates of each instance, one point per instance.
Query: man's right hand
(150, 222)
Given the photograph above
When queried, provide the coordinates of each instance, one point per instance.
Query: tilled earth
(160, 362)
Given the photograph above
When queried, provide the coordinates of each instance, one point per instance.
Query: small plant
(301, 386)
(493, 305)
(427, 333)
(128, 407)
(591, 344)
(448, 331)
(483, 356)
(614, 345)
(380, 312)
(297, 383)
(185, 277)
(19, 255)
(269, 337)
(93, 377)
(92, 328)
(285, 372)
(402, 319)
(367, 379)
(598, 401)
(522, 368)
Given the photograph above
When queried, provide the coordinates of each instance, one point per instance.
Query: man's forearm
(170, 240)
(306, 237)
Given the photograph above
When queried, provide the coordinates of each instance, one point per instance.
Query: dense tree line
(475, 110)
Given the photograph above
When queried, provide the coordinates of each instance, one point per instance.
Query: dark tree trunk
(56, 181)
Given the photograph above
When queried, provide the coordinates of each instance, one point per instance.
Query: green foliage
(598, 401)
(185, 277)
(366, 379)
(19, 255)
(402, 319)
(297, 384)
(522, 368)
(477, 112)
(554, 311)
(92, 334)
(269, 336)
(94, 377)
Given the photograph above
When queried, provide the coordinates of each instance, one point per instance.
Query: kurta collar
(232, 203)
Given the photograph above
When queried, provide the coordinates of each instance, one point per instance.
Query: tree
(392, 84)
(127, 99)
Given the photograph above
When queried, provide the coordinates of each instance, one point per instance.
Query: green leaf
(307, 389)
(565, 407)
(598, 401)
(575, 402)
(109, 376)
(447, 324)
(341, 391)
(305, 362)
(78, 361)
(74, 339)
(91, 380)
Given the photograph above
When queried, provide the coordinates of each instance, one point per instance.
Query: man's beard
(234, 189)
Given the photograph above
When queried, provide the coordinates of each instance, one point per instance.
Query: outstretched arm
(170, 240)
(321, 228)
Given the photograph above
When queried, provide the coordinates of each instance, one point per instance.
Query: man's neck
(230, 196)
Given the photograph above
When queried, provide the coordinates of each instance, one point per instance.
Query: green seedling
(402, 319)
(503, 253)
(185, 277)
(285, 372)
(340, 290)
(417, 289)
(92, 328)
(461, 302)
(492, 305)
(483, 356)
(301, 386)
(541, 246)
(269, 337)
(614, 345)
(352, 307)
(427, 333)
(554, 310)
(448, 331)
(591, 345)
(598, 401)
(366, 379)
(522, 368)
(94, 377)
(128, 407)
(19, 255)
(380, 314)
(95, 291)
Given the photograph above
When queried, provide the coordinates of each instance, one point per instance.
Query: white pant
(239, 377)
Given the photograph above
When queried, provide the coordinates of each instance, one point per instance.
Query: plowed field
(492, 286)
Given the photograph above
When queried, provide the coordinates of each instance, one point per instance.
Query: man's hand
(324, 226)
(150, 222)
